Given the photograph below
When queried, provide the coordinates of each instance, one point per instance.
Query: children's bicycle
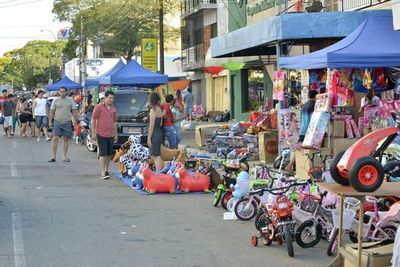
(278, 223)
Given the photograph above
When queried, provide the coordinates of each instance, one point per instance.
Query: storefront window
(255, 89)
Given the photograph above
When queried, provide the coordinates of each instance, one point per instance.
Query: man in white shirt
(41, 114)
(370, 100)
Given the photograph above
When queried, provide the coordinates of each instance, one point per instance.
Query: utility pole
(81, 57)
(161, 22)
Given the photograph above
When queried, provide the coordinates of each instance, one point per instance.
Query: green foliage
(32, 64)
(115, 24)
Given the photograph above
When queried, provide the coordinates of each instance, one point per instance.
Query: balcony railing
(192, 6)
(329, 5)
(194, 57)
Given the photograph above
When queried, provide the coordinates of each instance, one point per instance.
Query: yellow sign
(149, 53)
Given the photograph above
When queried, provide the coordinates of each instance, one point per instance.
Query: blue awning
(105, 78)
(374, 43)
(64, 82)
(291, 26)
(134, 74)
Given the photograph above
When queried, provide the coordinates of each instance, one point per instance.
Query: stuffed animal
(118, 154)
(137, 150)
(242, 185)
(215, 178)
(168, 154)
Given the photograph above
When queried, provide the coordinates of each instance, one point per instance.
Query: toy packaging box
(316, 130)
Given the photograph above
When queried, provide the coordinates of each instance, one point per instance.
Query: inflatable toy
(157, 182)
(193, 182)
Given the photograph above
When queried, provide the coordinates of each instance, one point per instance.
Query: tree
(32, 64)
(117, 24)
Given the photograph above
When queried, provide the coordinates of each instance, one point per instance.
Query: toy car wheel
(254, 241)
(366, 175)
(336, 176)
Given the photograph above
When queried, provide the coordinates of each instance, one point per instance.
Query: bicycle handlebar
(279, 190)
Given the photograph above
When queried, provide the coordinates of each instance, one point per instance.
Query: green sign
(263, 5)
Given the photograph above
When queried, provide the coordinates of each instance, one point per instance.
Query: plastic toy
(157, 182)
(193, 182)
(358, 165)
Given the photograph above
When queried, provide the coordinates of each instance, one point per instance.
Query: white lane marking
(13, 167)
(15, 144)
(19, 251)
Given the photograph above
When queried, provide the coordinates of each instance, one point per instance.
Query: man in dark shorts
(104, 130)
(62, 111)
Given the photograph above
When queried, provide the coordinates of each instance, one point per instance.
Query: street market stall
(64, 82)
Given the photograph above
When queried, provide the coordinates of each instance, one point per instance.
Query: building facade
(266, 29)
(198, 26)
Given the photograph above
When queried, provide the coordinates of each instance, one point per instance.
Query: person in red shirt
(104, 130)
(168, 122)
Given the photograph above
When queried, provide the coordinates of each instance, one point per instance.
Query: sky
(22, 21)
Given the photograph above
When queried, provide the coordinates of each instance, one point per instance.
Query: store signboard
(396, 14)
(149, 53)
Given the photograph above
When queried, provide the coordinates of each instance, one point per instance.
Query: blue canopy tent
(134, 74)
(64, 82)
(373, 44)
(105, 78)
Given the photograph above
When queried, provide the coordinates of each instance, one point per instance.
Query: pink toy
(193, 182)
(370, 113)
(316, 130)
(157, 182)
(349, 130)
(387, 108)
(360, 124)
(323, 102)
(356, 132)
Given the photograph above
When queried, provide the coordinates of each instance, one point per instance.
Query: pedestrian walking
(178, 116)
(168, 121)
(23, 111)
(104, 130)
(179, 101)
(62, 111)
(9, 111)
(40, 111)
(3, 98)
(155, 135)
(188, 99)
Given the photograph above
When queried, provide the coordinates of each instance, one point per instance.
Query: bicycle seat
(394, 211)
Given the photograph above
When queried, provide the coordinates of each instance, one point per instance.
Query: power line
(20, 4)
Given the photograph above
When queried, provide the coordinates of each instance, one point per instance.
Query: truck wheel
(336, 176)
(366, 175)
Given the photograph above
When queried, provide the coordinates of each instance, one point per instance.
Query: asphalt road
(62, 214)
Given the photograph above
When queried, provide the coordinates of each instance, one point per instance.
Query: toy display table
(387, 189)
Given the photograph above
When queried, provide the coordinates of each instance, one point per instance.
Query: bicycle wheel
(289, 240)
(308, 234)
(332, 246)
(225, 199)
(245, 210)
(217, 197)
(261, 220)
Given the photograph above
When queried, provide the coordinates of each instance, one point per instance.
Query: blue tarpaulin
(373, 44)
(134, 74)
(64, 82)
(105, 78)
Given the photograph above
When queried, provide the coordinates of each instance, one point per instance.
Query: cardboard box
(204, 132)
(337, 128)
(372, 255)
(303, 163)
(268, 146)
(342, 144)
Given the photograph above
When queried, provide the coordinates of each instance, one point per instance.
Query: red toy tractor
(359, 165)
